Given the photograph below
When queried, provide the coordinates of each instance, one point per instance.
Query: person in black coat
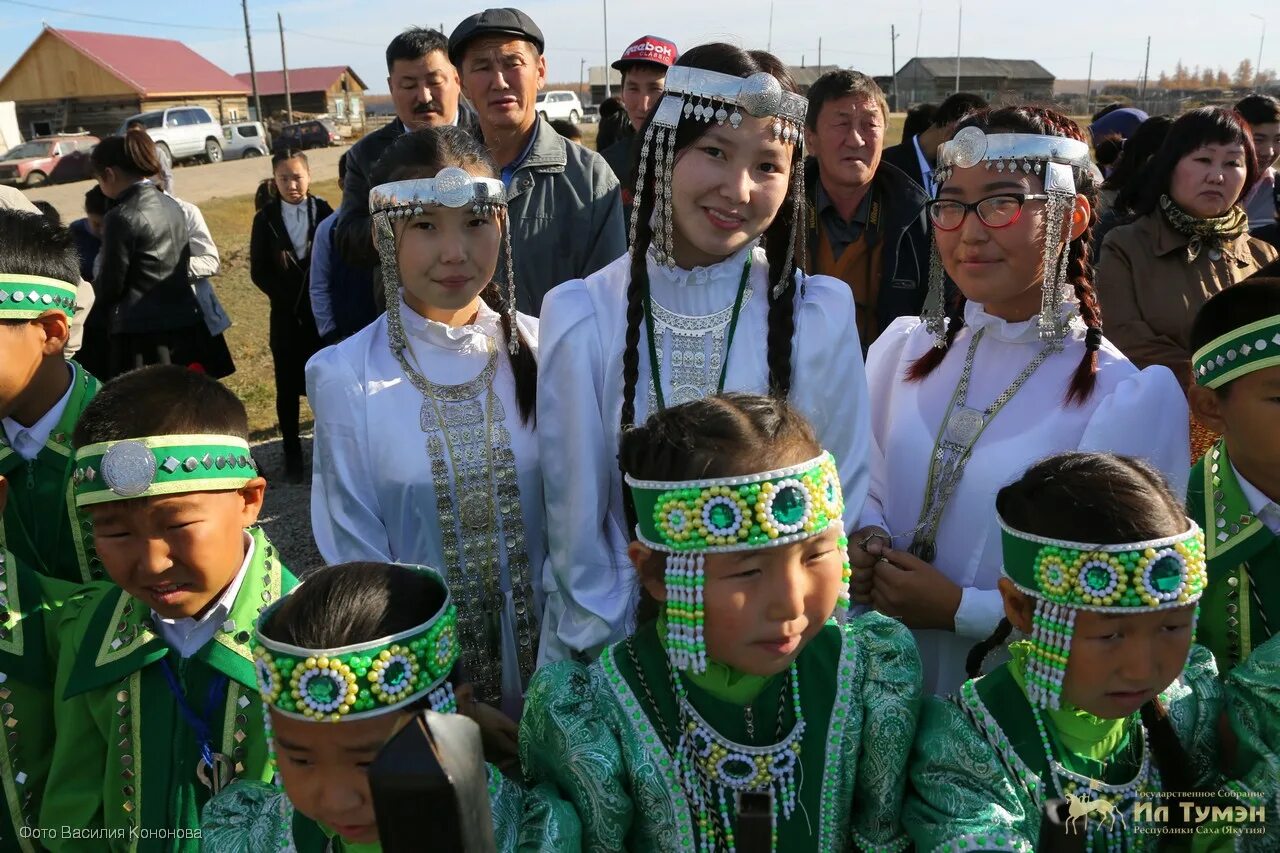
(280, 266)
(142, 284)
(917, 156)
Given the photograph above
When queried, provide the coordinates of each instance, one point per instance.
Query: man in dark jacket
(562, 199)
(643, 67)
(866, 218)
(917, 156)
(426, 93)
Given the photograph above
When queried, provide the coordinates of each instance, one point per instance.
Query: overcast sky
(854, 34)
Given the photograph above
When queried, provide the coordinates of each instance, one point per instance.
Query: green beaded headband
(1237, 353)
(364, 679)
(25, 297)
(160, 465)
(739, 513)
(1161, 574)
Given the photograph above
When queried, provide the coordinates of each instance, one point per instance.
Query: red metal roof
(153, 66)
(303, 80)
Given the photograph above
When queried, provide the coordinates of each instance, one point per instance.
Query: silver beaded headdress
(696, 94)
(451, 187)
(1054, 157)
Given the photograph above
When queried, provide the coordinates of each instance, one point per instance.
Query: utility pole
(769, 43)
(819, 54)
(253, 73)
(582, 70)
(607, 92)
(1088, 88)
(893, 58)
(959, 25)
(1257, 69)
(284, 65)
(1146, 65)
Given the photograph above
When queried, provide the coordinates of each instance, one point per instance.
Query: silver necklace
(960, 431)
(697, 351)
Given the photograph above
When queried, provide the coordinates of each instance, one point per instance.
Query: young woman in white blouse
(425, 449)
(1016, 370)
(709, 299)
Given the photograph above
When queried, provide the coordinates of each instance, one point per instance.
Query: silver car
(185, 132)
(243, 140)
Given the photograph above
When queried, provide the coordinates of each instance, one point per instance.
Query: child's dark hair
(1191, 131)
(96, 202)
(134, 154)
(1108, 149)
(284, 155)
(1127, 177)
(1109, 500)
(724, 435)
(1227, 310)
(1040, 120)
(32, 245)
(422, 154)
(725, 59)
(162, 399)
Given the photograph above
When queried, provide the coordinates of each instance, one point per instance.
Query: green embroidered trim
(114, 648)
(1237, 353)
(739, 513)
(360, 680)
(161, 465)
(11, 615)
(25, 297)
(1155, 575)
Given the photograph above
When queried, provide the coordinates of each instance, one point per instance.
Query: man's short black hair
(957, 107)
(164, 399)
(843, 83)
(415, 43)
(96, 201)
(1259, 109)
(32, 245)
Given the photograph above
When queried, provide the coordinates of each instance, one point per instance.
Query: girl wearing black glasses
(967, 397)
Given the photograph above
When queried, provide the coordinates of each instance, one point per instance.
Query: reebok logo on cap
(658, 51)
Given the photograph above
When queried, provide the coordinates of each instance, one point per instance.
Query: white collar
(475, 336)
(1020, 332)
(32, 439)
(188, 634)
(1262, 507)
(729, 268)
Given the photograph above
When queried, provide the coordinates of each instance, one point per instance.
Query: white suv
(554, 105)
(185, 131)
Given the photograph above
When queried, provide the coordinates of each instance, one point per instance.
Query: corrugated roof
(805, 76)
(981, 66)
(153, 66)
(302, 79)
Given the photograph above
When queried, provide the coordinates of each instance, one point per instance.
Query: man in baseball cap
(644, 67)
(562, 199)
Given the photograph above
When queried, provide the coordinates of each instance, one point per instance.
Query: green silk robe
(595, 734)
(41, 524)
(249, 817)
(979, 775)
(28, 654)
(125, 760)
(1241, 604)
(1253, 699)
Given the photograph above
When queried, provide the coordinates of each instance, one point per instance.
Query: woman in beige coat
(1190, 240)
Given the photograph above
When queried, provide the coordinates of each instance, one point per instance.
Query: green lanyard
(728, 344)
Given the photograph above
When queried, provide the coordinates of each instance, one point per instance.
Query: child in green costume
(344, 663)
(1235, 489)
(157, 699)
(742, 683)
(28, 652)
(41, 398)
(1108, 706)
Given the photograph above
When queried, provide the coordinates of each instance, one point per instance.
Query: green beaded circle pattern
(708, 517)
(333, 687)
(1141, 579)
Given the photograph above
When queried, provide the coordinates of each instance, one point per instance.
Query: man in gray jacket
(563, 199)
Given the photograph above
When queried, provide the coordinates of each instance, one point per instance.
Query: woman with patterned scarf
(1190, 240)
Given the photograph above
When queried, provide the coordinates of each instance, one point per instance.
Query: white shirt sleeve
(588, 585)
(321, 305)
(205, 261)
(345, 519)
(883, 366)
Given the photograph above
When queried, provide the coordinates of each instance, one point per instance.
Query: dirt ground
(196, 184)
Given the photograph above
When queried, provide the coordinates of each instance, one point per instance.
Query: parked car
(554, 105)
(591, 114)
(186, 132)
(244, 140)
(48, 159)
(315, 133)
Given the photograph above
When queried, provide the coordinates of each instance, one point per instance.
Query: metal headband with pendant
(452, 187)
(160, 465)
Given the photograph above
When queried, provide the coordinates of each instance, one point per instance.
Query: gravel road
(286, 513)
(196, 184)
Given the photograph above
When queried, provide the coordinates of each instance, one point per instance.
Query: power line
(44, 8)
(294, 32)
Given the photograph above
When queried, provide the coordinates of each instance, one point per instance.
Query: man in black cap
(426, 92)
(563, 200)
